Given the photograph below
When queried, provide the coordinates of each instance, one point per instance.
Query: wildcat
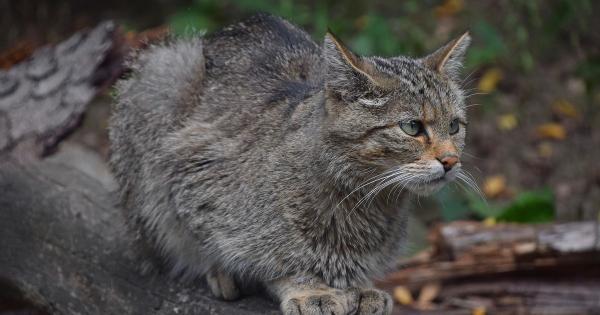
(255, 155)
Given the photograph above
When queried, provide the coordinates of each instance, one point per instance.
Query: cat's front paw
(320, 302)
(374, 302)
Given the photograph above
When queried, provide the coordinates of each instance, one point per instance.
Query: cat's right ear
(349, 75)
(448, 59)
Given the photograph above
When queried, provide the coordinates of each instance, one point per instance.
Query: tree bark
(64, 247)
(43, 98)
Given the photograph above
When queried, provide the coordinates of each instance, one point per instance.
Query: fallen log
(505, 269)
(65, 250)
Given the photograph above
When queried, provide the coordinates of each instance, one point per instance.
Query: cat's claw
(222, 285)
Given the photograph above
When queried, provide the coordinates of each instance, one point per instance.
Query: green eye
(454, 126)
(411, 127)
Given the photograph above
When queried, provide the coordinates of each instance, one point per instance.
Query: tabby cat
(255, 155)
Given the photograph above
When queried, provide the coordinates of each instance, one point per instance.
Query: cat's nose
(448, 161)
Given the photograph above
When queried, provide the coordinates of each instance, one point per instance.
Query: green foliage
(183, 22)
(490, 48)
(203, 15)
(516, 33)
(589, 71)
(535, 206)
(530, 207)
(454, 205)
(368, 31)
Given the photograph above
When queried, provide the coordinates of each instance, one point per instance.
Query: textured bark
(64, 248)
(43, 98)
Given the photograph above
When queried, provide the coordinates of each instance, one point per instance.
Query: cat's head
(402, 116)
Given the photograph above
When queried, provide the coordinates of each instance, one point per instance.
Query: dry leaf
(361, 22)
(490, 80)
(494, 186)
(139, 40)
(552, 131)
(525, 248)
(480, 310)
(576, 86)
(17, 53)
(507, 122)
(449, 8)
(402, 295)
(545, 149)
(428, 293)
(565, 108)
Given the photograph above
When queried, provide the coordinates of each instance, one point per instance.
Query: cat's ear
(353, 77)
(448, 59)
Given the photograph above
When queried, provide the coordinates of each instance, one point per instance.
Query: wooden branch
(63, 246)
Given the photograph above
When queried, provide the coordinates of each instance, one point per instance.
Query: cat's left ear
(448, 59)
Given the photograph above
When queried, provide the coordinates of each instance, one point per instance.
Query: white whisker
(369, 181)
(470, 182)
(473, 94)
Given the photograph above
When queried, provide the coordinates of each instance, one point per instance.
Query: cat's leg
(310, 296)
(222, 285)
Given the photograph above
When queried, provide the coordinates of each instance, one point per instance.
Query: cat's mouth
(426, 178)
(431, 185)
(436, 180)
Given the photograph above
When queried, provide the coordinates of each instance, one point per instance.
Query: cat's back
(220, 80)
(253, 62)
(261, 54)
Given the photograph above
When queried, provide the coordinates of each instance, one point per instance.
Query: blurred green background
(533, 73)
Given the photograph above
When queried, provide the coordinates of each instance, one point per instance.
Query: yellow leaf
(494, 186)
(565, 108)
(553, 131)
(402, 295)
(428, 293)
(449, 8)
(489, 80)
(507, 122)
(489, 221)
(480, 310)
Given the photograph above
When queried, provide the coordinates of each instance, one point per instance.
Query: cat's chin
(428, 188)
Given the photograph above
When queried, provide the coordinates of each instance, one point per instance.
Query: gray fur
(243, 150)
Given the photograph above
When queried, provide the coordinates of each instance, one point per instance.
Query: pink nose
(448, 161)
